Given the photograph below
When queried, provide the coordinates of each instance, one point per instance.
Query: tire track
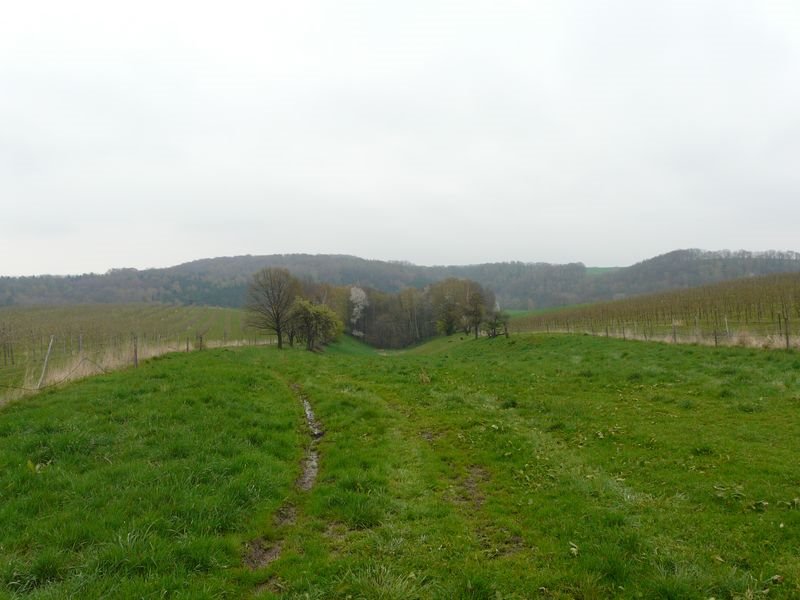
(311, 462)
(261, 551)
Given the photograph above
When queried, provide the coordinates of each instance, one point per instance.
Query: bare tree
(475, 307)
(269, 301)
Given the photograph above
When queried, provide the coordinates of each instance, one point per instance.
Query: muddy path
(311, 463)
(261, 551)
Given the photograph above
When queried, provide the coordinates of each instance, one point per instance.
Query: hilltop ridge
(222, 281)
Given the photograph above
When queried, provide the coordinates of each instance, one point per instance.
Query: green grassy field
(535, 466)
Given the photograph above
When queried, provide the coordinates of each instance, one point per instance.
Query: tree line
(315, 313)
(224, 281)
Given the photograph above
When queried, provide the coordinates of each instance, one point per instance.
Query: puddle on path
(260, 553)
(311, 462)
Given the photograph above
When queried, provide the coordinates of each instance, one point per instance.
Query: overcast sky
(150, 133)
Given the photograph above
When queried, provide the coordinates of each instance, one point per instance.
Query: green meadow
(537, 466)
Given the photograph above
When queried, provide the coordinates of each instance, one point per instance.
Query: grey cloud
(603, 132)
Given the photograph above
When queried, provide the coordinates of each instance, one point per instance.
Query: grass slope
(142, 482)
(555, 467)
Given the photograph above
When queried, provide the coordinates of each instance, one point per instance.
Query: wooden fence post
(786, 328)
(46, 359)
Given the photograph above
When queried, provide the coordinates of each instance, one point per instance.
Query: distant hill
(689, 268)
(223, 281)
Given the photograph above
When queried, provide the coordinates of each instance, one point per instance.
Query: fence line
(33, 369)
(723, 336)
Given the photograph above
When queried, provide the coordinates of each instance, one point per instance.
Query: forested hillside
(223, 281)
